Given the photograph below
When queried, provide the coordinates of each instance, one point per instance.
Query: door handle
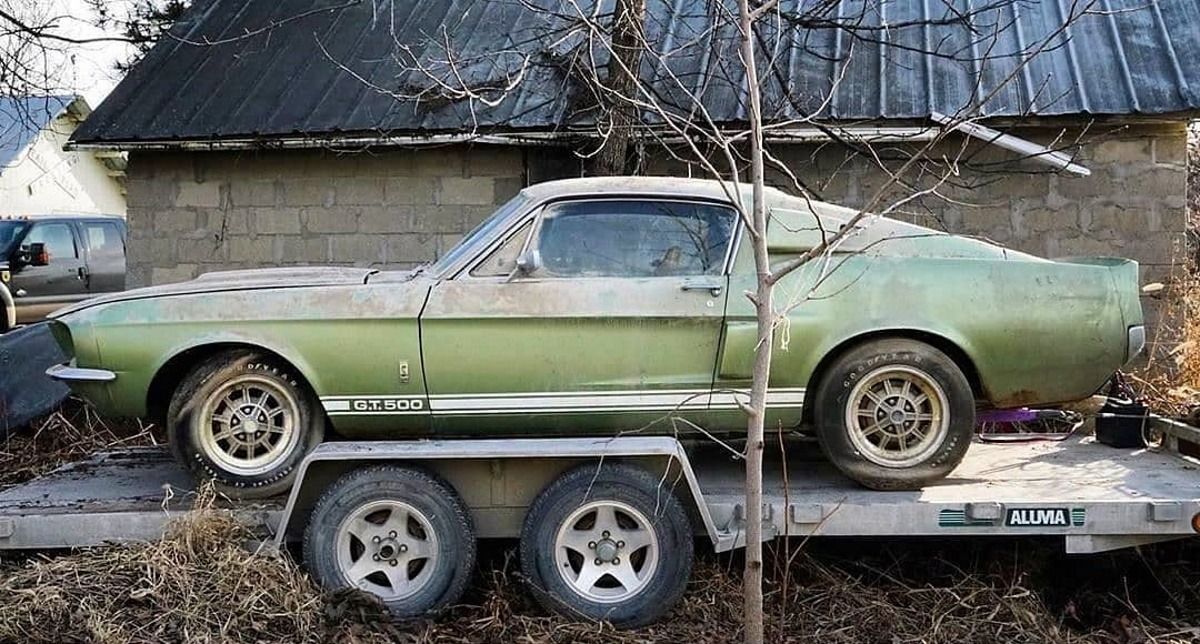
(713, 286)
(81, 273)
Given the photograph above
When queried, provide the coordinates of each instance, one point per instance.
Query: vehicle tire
(402, 534)
(612, 545)
(878, 397)
(246, 421)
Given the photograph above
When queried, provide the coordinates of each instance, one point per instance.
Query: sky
(90, 69)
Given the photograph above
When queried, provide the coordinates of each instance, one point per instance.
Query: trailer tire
(211, 387)
(433, 541)
(883, 394)
(608, 542)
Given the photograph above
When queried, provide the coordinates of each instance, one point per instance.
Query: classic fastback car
(595, 306)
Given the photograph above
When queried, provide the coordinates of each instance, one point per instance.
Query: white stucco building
(38, 177)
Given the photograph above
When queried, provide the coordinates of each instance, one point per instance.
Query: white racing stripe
(643, 400)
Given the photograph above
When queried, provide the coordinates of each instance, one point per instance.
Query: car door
(38, 290)
(613, 321)
(105, 246)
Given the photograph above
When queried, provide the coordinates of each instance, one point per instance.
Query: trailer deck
(1097, 497)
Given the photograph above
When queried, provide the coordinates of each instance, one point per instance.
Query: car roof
(668, 186)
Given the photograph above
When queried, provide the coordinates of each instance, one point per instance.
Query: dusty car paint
(403, 353)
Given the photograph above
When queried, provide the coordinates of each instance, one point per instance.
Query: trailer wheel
(611, 545)
(399, 533)
(895, 414)
(246, 421)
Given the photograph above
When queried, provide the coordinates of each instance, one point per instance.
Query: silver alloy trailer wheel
(607, 551)
(248, 425)
(896, 416)
(388, 548)
(400, 533)
(608, 541)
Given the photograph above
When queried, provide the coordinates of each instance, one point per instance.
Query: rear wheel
(246, 421)
(895, 414)
(608, 542)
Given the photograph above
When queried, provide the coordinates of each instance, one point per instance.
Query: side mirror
(38, 255)
(528, 262)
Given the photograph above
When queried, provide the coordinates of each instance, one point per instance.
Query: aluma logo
(1043, 517)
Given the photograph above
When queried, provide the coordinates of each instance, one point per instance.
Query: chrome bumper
(1135, 343)
(67, 373)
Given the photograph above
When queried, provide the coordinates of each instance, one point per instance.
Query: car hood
(245, 280)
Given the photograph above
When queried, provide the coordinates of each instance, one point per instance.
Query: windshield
(10, 232)
(484, 230)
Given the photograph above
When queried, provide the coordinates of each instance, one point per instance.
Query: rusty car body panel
(439, 350)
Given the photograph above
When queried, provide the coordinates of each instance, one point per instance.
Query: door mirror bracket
(528, 262)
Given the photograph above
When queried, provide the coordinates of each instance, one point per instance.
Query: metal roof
(22, 118)
(283, 69)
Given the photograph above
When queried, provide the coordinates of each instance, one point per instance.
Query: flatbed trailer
(1114, 497)
(1095, 497)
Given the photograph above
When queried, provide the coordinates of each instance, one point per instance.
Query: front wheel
(246, 421)
(895, 414)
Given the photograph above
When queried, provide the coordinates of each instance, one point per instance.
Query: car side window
(103, 240)
(57, 237)
(502, 261)
(633, 238)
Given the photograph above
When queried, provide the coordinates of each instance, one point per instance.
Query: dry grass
(72, 432)
(1170, 380)
(200, 584)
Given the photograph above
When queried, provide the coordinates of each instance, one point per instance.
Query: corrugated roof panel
(887, 61)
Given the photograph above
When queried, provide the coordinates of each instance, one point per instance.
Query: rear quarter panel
(1036, 331)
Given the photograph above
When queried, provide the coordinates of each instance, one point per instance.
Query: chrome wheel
(606, 551)
(387, 548)
(248, 426)
(897, 416)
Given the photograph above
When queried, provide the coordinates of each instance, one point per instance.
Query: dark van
(49, 261)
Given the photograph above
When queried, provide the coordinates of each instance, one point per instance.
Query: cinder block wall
(201, 211)
(195, 212)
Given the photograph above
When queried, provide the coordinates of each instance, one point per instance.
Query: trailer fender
(315, 471)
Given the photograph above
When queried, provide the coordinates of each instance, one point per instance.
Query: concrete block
(253, 192)
(150, 193)
(386, 220)
(507, 188)
(437, 219)
(409, 190)
(171, 274)
(1121, 150)
(199, 251)
(357, 249)
(307, 192)
(494, 161)
(411, 248)
(477, 191)
(329, 220)
(258, 250)
(303, 250)
(353, 191)
(199, 195)
(284, 221)
(174, 221)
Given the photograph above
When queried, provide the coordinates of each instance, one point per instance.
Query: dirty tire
(443, 519)
(929, 371)
(634, 492)
(205, 385)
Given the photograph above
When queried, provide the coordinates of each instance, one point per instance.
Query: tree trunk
(629, 17)
(755, 443)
